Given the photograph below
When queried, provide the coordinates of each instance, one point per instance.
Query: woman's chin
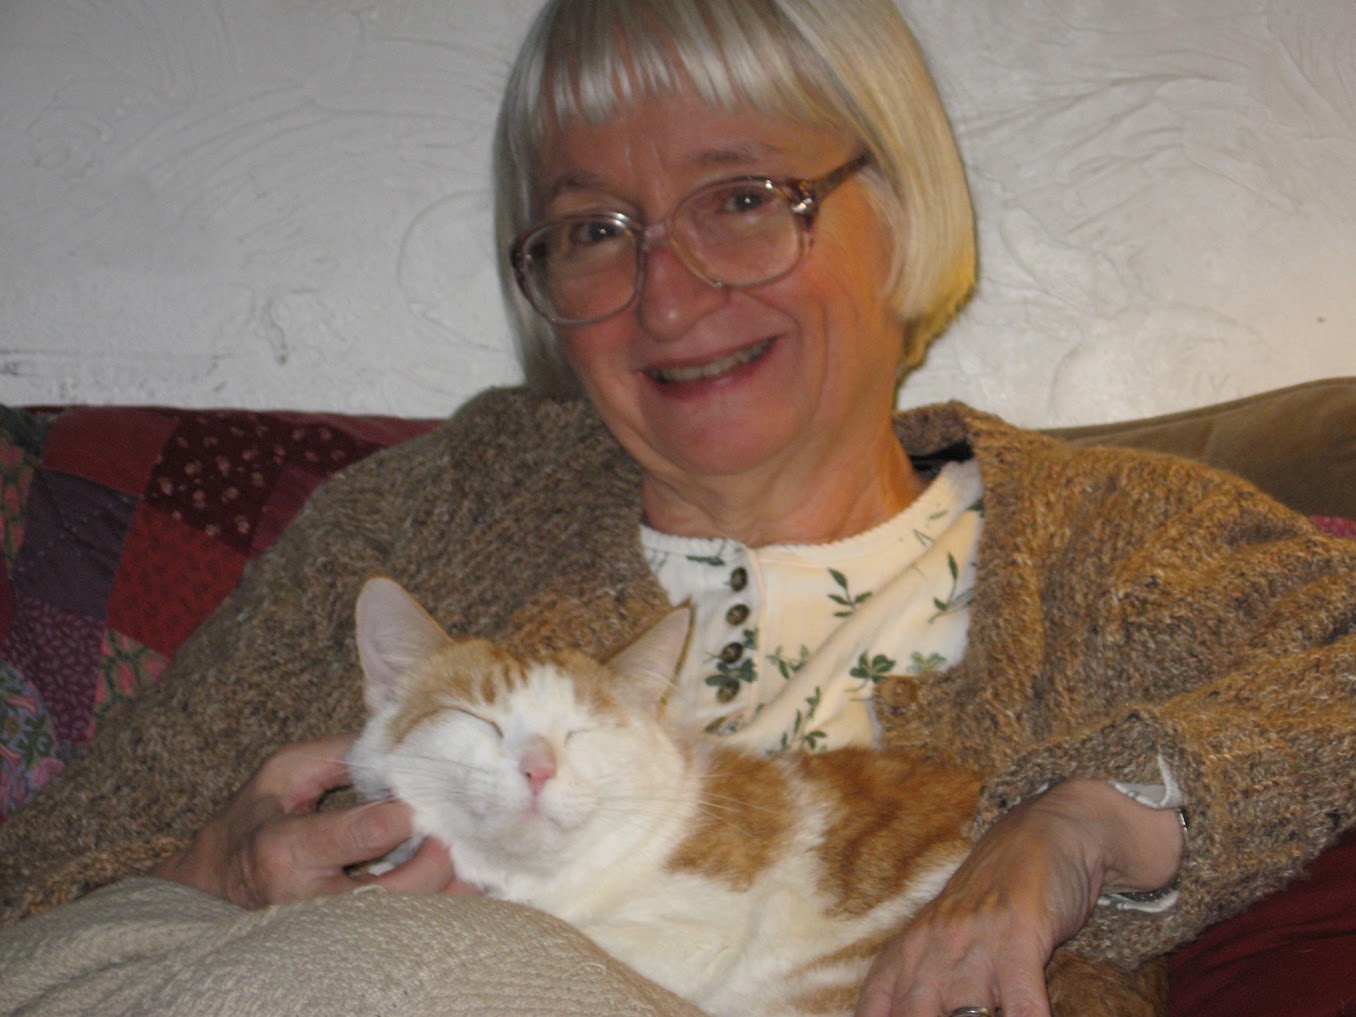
(681, 427)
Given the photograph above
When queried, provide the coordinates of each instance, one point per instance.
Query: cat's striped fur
(749, 885)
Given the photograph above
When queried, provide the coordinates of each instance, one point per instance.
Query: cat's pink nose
(538, 764)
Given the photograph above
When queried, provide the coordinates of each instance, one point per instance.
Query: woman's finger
(926, 971)
(1021, 991)
(298, 775)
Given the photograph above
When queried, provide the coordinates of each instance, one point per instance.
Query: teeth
(712, 369)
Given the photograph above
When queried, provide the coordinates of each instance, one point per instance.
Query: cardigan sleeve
(1186, 617)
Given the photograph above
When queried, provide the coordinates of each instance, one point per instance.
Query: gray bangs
(610, 54)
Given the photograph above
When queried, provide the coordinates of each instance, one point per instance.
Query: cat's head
(507, 758)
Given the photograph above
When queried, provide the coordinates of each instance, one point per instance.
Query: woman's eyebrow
(729, 156)
(573, 181)
(736, 155)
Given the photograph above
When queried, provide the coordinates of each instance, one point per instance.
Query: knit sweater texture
(1129, 606)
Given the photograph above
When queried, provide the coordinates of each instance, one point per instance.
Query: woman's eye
(745, 200)
(592, 232)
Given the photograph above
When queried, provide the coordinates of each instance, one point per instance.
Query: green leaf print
(873, 669)
(785, 665)
(846, 600)
(715, 560)
(931, 664)
(956, 599)
(813, 741)
(798, 737)
(706, 559)
(740, 672)
(35, 743)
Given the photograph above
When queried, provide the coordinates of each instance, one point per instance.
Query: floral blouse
(789, 639)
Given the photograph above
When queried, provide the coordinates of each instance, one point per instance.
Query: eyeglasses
(743, 232)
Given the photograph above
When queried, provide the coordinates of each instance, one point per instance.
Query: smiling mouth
(713, 369)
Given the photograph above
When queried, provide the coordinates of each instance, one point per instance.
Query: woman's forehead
(681, 134)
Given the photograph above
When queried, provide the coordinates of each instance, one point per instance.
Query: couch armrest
(1298, 444)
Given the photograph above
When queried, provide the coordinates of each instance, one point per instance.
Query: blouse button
(727, 691)
(739, 578)
(731, 653)
(737, 614)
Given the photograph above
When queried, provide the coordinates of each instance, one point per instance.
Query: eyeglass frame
(803, 197)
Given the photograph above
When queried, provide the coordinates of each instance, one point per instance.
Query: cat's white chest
(697, 938)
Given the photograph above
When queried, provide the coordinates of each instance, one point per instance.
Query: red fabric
(216, 472)
(115, 447)
(121, 529)
(171, 578)
(1337, 527)
(1290, 955)
(373, 431)
(57, 651)
(6, 602)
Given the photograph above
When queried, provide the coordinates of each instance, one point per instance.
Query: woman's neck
(786, 505)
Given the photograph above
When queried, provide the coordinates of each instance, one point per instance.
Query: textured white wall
(284, 202)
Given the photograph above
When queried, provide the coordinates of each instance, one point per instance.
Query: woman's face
(699, 381)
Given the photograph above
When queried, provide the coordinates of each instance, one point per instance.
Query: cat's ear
(648, 666)
(393, 632)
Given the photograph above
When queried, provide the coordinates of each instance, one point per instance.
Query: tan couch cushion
(1298, 444)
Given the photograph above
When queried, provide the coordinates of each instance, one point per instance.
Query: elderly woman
(732, 226)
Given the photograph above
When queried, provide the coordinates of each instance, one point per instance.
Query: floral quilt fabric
(120, 530)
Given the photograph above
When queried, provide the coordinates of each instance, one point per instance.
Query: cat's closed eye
(499, 732)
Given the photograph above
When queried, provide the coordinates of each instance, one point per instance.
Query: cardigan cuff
(1167, 795)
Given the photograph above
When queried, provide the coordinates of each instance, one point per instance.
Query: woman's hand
(1030, 883)
(269, 845)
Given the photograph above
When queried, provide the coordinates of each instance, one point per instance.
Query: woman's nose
(672, 296)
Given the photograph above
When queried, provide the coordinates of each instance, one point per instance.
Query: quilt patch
(121, 529)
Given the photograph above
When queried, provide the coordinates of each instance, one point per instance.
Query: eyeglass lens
(734, 233)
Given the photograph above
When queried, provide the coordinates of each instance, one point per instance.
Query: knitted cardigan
(1128, 607)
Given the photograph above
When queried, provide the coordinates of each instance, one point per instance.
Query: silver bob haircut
(849, 65)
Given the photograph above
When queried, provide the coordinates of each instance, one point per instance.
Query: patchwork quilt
(121, 529)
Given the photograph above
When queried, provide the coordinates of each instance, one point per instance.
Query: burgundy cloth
(1290, 955)
(121, 528)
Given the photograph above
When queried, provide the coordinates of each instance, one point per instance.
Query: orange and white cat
(748, 885)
